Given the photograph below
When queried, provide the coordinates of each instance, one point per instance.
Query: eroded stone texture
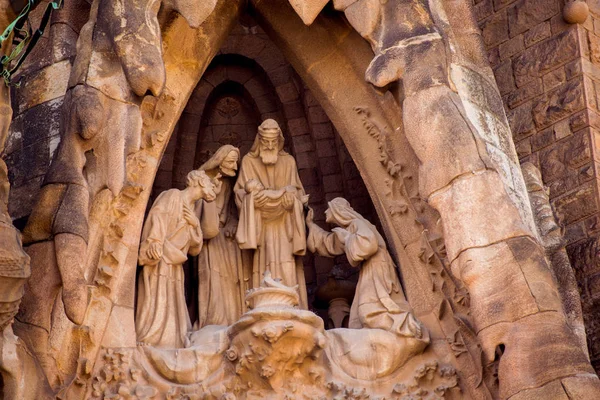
(434, 151)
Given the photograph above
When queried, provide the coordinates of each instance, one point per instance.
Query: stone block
(523, 148)
(298, 126)
(567, 154)
(483, 9)
(525, 93)
(470, 198)
(581, 387)
(511, 47)
(562, 129)
(505, 296)
(525, 14)
(559, 103)
(239, 73)
(576, 205)
(537, 34)
(326, 148)
(545, 56)
(317, 115)
(521, 121)
(288, 92)
(303, 144)
(293, 110)
(574, 232)
(329, 165)
(495, 29)
(322, 131)
(554, 79)
(572, 69)
(309, 177)
(542, 139)
(333, 183)
(504, 77)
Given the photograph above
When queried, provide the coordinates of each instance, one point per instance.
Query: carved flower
(231, 354)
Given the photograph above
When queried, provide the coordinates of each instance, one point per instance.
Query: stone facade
(547, 72)
(394, 109)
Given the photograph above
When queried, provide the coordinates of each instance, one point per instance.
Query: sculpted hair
(197, 178)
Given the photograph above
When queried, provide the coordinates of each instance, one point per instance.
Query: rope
(23, 40)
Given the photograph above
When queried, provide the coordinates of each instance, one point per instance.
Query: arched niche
(233, 97)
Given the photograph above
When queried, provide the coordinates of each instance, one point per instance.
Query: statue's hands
(190, 218)
(341, 234)
(260, 199)
(154, 251)
(310, 215)
(230, 230)
(287, 201)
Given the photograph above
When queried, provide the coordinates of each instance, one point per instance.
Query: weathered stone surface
(525, 93)
(495, 29)
(537, 34)
(525, 14)
(544, 56)
(558, 104)
(521, 121)
(558, 161)
(480, 232)
(576, 205)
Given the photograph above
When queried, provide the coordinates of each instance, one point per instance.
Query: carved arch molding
(417, 107)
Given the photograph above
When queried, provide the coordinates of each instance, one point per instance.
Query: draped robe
(277, 235)
(162, 318)
(379, 302)
(221, 273)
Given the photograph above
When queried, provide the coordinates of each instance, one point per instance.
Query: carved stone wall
(548, 73)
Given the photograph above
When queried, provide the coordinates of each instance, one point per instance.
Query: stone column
(466, 173)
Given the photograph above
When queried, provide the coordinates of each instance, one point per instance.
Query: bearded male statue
(270, 199)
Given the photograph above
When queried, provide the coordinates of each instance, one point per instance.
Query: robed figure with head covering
(222, 279)
(379, 302)
(171, 232)
(271, 199)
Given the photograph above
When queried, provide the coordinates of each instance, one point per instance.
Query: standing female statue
(221, 274)
(171, 231)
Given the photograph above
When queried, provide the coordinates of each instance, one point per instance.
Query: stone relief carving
(223, 274)
(172, 230)
(270, 199)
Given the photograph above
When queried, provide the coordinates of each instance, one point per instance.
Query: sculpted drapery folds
(172, 230)
(379, 302)
(222, 278)
(270, 199)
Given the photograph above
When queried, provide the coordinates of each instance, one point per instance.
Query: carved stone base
(277, 351)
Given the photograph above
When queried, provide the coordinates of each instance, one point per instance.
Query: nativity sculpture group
(266, 243)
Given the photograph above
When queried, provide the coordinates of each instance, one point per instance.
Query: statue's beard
(268, 157)
(227, 171)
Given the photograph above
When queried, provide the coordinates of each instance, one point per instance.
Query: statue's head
(270, 141)
(340, 212)
(229, 164)
(201, 185)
